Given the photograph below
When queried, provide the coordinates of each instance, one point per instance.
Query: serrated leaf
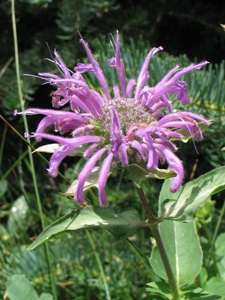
(182, 246)
(181, 206)
(121, 224)
(138, 172)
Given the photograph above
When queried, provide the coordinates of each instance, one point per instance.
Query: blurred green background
(189, 31)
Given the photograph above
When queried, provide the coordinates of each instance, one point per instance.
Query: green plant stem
(222, 211)
(99, 264)
(2, 144)
(141, 256)
(27, 141)
(154, 226)
(212, 241)
(47, 252)
(212, 249)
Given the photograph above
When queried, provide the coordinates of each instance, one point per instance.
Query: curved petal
(144, 74)
(57, 158)
(116, 134)
(136, 145)
(96, 70)
(67, 146)
(103, 176)
(152, 154)
(131, 83)
(175, 164)
(86, 171)
(123, 155)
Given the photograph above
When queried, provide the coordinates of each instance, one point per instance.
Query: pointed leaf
(49, 148)
(183, 250)
(182, 205)
(121, 224)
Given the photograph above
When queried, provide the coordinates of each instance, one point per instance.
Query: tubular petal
(86, 171)
(103, 176)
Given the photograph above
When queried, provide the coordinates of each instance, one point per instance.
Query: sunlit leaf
(92, 181)
(182, 205)
(49, 148)
(183, 249)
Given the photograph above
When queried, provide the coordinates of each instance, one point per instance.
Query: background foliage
(188, 31)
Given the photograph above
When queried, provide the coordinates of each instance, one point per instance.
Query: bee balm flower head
(122, 125)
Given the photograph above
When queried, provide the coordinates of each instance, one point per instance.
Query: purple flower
(131, 122)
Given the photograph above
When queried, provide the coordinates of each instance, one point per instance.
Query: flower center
(129, 111)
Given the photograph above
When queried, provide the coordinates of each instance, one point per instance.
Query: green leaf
(160, 289)
(49, 148)
(134, 172)
(202, 277)
(92, 181)
(3, 187)
(121, 225)
(196, 293)
(215, 285)
(181, 206)
(19, 288)
(203, 296)
(138, 172)
(221, 267)
(183, 249)
(220, 245)
(17, 215)
(46, 296)
(188, 135)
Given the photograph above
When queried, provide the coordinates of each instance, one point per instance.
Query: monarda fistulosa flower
(130, 123)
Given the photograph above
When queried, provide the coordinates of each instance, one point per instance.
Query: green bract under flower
(120, 130)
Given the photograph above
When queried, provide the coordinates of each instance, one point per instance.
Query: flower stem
(46, 247)
(154, 226)
(99, 264)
